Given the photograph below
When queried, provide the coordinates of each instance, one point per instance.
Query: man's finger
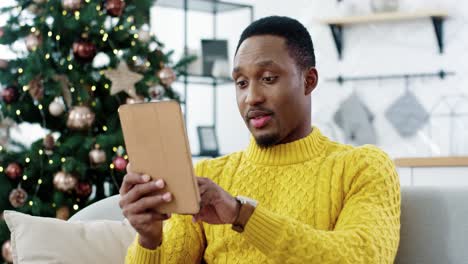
(202, 188)
(149, 203)
(141, 190)
(207, 198)
(202, 181)
(132, 179)
(147, 217)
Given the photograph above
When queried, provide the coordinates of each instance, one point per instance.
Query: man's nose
(255, 95)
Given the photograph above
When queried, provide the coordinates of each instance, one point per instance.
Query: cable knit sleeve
(366, 231)
(183, 241)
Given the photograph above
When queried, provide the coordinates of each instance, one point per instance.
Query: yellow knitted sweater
(319, 202)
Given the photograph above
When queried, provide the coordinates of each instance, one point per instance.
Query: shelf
(336, 24)
(204, 80)
(384, 17)
(432, 162)
(202, 5)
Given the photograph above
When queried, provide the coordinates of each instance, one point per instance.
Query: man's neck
(303, 131)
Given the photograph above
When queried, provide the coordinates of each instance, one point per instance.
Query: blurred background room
(393, 73)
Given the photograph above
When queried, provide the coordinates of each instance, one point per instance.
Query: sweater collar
(297, 151)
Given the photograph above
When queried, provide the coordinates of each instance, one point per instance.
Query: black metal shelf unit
(214, 8)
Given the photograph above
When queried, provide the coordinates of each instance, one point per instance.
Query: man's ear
(311, 80)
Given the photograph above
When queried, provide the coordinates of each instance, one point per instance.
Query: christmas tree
(77, 62)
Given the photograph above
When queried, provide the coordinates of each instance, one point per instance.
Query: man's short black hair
(298, 40)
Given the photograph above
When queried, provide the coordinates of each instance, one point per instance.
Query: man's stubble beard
(266, 141)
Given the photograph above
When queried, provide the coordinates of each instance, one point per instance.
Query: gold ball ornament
(97, 155)
(80, 118)
(7, 252)
(64, 182)
(63, 213)
(33, 41)
(57, 107)
(167, 76)
(18, 197)
(71, 5)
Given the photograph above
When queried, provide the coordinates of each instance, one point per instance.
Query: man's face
(270, 89)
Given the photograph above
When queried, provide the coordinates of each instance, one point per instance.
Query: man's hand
(140, 198)
(217, 206)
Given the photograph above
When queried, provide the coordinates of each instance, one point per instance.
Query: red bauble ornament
(2, 32)
(115, 8)
(13, 171)
(120, 163)
(83, 189)
(9, 95)
(84, 51)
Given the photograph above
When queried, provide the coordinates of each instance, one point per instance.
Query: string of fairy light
(70, 67)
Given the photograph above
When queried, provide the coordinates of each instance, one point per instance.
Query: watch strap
(245, 211)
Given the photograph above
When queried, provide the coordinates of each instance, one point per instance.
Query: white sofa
(434, 224)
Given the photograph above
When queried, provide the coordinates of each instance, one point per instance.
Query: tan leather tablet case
(157, 145)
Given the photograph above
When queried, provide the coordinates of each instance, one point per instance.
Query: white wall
(369, 49)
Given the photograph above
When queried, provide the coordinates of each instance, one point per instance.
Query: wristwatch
(247, 207)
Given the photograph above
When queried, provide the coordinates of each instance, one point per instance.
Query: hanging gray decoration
(356, 121)
(407, 115)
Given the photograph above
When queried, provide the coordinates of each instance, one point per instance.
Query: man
(310, 200)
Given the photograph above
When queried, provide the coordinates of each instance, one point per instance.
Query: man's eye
(241, 84)
(270, 79)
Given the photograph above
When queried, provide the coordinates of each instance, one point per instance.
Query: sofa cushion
(48, 240)
(434, 225)
(105, 209)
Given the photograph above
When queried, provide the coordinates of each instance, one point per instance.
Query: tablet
(157, 145)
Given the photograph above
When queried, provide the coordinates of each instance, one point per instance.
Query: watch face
(244, 200)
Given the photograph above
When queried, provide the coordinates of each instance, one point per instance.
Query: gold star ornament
(123, 80)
